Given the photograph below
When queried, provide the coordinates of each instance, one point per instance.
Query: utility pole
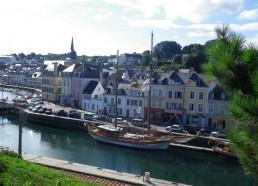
(20, 132)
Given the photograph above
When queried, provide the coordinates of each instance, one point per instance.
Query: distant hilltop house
(130, 59)
(7, 59)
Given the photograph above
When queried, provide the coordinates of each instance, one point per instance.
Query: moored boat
(120, 136)
(224, 151)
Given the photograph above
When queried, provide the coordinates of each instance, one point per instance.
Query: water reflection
(176, 165)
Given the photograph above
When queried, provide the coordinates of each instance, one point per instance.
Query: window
(222, 110)
(200, 107)
(177, 106)
(134, 102)
(178, 95)
(210, 108)
(93, 107)
(140, 103)
(128, 102)
(120, 111)
(191, 106)
(154, 104)
(159, 103)
(105, 100)
(200, 95)
(112, 100)
(160, 92)
(191, 95)
(169, 94)
(119, 101)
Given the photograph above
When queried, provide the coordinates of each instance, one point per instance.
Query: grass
(17, 172)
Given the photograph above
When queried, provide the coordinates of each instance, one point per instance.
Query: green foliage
(146, 59)
(177, 59)
(236, 68)
(166, 50)
(56, 56)
(16, 172)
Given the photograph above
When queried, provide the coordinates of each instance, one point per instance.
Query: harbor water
(176, 165)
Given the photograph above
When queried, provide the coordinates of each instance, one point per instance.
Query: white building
(7, 59)
(93, 97)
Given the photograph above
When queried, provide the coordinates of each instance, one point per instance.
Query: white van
(88, 116)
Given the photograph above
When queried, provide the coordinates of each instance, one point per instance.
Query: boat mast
(116, 86)
(150, 74)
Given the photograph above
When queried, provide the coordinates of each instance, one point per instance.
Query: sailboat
(130, 136)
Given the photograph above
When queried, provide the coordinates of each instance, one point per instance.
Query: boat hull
(222, 152)
(160, 145)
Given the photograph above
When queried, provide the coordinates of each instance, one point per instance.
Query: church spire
(72, 48)
(72, 54)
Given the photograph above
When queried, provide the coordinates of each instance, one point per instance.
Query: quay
(126, 178)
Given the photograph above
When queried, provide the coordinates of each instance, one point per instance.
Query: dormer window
(198, 82)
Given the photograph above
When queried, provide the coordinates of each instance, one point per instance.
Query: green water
(183, 166)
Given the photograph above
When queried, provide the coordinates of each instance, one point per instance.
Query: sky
(101, 27)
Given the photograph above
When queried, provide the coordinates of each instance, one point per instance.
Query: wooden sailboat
(130, 136)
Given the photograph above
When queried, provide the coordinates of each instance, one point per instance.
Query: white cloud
(253, 40)
(193, 11)
(248, 14)
(245, 27)
(201, 34)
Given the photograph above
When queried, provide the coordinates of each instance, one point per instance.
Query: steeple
(72, 48)
(72, 54)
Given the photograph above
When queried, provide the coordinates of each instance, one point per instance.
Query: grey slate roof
(91, 87)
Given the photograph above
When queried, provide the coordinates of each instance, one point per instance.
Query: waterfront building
(51, 81)
(80, 79)
(174, 83)
(217, 104)
(129, 97)
(196, 99)
(93, 97)
(66, 88)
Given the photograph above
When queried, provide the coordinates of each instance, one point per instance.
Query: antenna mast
(150, 74)
(116, 86)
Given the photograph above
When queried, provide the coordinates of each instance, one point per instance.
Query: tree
(146, 58)
(166, 50)
(235, 65)
(177, 59)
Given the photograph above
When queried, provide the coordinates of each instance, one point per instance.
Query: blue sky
(101, 27)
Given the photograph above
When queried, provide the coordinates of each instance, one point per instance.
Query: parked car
(30, 108)
(206, 132)
(61, 113)
(33, 100)
(174, 128)
(89, 116)
(102, 118)
(49, 111)
(36, 108)
(74, 114)
(218, 134)
(42, 110)
(192, 129)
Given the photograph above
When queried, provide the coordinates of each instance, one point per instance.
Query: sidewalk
(96, 171)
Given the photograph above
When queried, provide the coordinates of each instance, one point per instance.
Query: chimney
(55, 68)
(101, 74)
(191, 71)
